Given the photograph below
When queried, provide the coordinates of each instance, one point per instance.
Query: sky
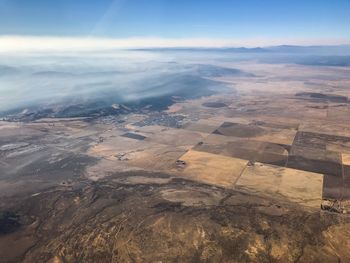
(304, 21)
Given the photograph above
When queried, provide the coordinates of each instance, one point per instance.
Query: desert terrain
(257, 172)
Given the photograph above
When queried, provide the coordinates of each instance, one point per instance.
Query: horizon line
(23, 43)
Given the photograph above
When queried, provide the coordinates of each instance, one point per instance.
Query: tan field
(297, 186)
(211, 169)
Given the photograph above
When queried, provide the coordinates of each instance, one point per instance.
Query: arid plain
(257, 173)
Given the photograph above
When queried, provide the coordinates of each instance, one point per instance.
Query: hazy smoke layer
(40, 81)
(43, 80)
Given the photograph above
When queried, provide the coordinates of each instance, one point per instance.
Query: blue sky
(98, 24)
(177, 18)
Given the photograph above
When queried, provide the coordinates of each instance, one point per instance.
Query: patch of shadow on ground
(214, 104)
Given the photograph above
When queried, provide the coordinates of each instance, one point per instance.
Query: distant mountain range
(336, 49)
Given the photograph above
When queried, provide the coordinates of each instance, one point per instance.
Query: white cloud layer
(37, 43)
